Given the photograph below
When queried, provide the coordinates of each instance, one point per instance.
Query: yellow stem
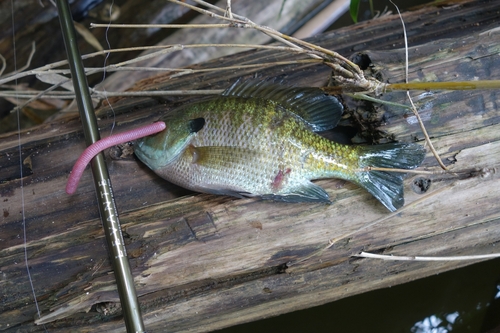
(458, 85)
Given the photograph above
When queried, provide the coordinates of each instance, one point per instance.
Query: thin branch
(103, 94)
(228, 13)
(171, 49)
(4, 64)
(162, 26)
(86, 56)
(32, 93)
(183, 71)
(455, 85)
(30, 57)
(193, 46)
(163, 48)
(220, 10)
(236, 20)
(361, 96)
(348, 73)
(48, 93)
(28, 63)
(41, 94)
(455, 173)
(423, 258)
(424, 130)
(419, 172)
(405, 39)
(413, 108)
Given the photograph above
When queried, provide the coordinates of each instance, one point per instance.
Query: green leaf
(354, 9)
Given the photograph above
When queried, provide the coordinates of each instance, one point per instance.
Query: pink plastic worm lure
(91, 151)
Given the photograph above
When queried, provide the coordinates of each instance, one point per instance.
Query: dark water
(462, 300)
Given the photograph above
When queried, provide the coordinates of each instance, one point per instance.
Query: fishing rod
(109, 214)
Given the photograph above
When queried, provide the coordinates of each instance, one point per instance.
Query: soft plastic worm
(113, 140)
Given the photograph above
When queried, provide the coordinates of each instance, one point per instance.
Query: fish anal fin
(305, 192)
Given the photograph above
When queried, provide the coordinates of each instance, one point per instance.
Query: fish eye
(195, 125)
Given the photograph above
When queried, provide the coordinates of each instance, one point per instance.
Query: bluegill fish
(259, 139)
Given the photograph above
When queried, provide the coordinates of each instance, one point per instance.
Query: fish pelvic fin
(320, 111)
(387, 187)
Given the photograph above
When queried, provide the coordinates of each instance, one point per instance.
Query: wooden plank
(204, 262)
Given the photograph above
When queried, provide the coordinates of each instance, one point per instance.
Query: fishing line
(110, 13)
(405, 39)
(21, 185)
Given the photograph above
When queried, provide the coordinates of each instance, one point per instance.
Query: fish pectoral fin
(305, 192)
(320, 111)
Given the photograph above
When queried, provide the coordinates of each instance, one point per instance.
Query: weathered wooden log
(203, 262)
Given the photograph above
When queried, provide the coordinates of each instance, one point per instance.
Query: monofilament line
(21, 185)
(104, 68)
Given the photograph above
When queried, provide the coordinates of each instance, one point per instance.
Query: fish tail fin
(387, 187)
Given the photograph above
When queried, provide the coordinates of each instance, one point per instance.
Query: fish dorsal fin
(322, 112)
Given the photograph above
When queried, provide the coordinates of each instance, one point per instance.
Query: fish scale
(252, 171)
(259, 139)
